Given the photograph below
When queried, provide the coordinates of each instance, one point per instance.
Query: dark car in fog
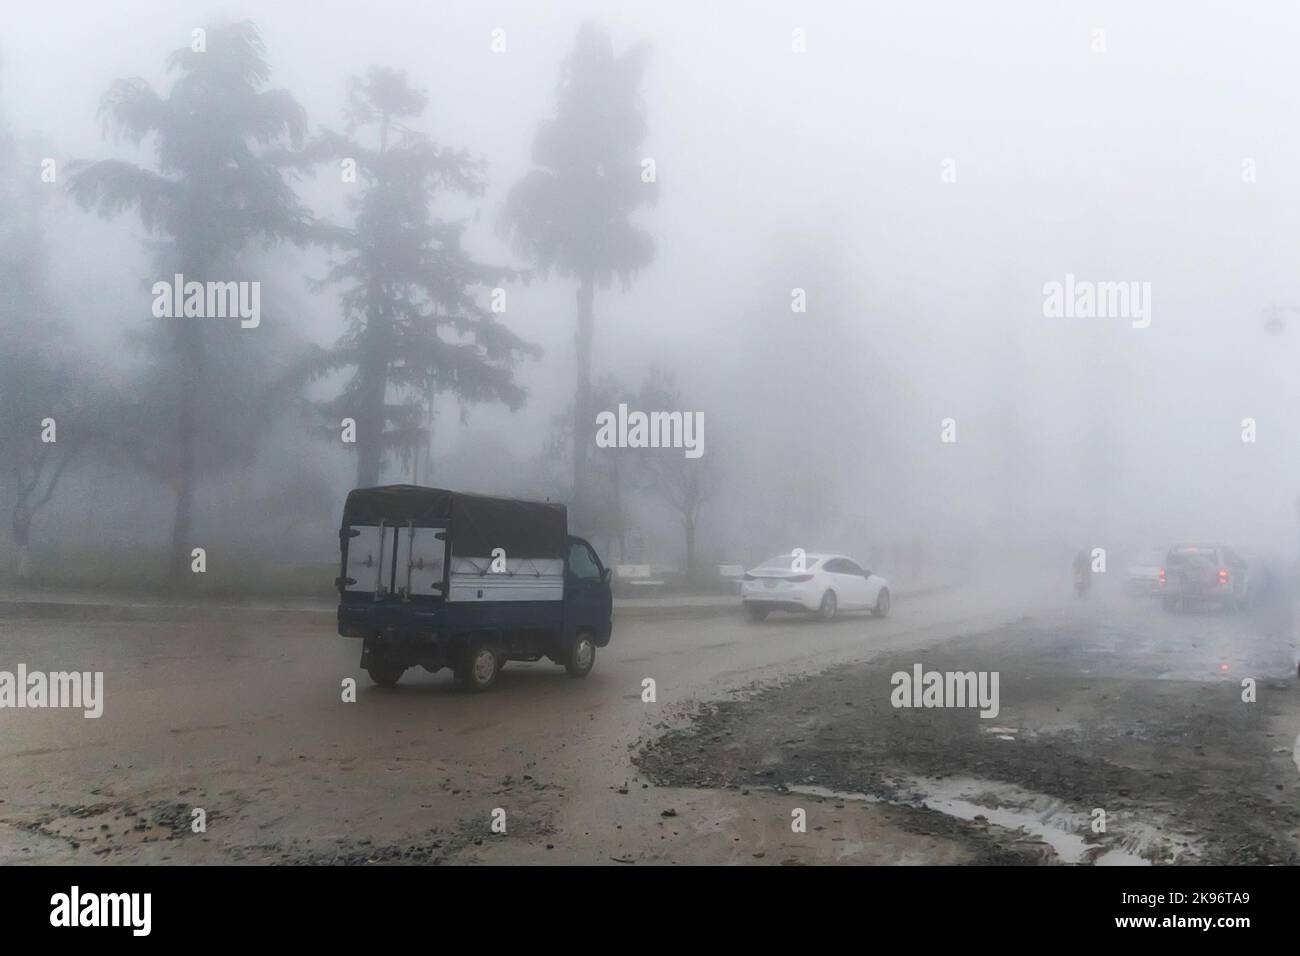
(1194, 575)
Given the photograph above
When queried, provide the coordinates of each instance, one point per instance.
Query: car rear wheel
(581, 657)
(882, 603)
(479, 666)
(829, 606)
(756, 612)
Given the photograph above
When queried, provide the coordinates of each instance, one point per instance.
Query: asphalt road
(249, 725)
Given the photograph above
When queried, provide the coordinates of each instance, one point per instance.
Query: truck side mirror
(342, 583)
(348, 532)
(605, 575)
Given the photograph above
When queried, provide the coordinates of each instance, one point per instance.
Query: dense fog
(950, 285)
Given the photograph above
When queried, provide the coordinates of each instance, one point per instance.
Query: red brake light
(1223, 575)
(1162, 575)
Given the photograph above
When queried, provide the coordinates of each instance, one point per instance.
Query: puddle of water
(1054, 822)
(1069, 846)
(829, 794)
(1011, 733)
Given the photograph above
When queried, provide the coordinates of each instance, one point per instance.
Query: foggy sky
(823, 170)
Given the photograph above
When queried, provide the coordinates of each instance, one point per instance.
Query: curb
(237, 614)
(165, 613)
(324, 617)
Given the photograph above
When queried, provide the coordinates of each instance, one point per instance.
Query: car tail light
(1223, 575)
(800, 578)
(748, 576)
(1161, 576)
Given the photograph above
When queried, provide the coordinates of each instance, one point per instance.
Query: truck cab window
(582, 563)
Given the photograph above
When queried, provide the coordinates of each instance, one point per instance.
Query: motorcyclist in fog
(1082, 572)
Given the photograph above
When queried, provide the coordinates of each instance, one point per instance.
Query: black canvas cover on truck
(476, 524)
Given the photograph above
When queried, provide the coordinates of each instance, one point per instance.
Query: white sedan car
(823, 583)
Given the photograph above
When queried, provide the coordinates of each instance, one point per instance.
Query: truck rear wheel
(479, 666)
(581, 657)
(385, 674)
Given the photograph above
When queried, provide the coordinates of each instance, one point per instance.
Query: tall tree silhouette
(685, 484)
(611, 476)
(410, 291)
(38, 375)
(217, 186)
(572, 213)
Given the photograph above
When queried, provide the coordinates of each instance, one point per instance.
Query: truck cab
(434, 578)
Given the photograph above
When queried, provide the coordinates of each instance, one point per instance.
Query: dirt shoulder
(1184, 770)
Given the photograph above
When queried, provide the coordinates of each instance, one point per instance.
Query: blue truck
(434, 578)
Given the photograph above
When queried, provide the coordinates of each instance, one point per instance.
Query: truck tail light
(1223, 575)
(1161, 576)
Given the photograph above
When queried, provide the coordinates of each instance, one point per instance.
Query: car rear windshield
(784, 562)
(1189, 554)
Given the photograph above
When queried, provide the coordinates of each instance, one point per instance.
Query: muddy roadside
(1181, 770)
(247, 723)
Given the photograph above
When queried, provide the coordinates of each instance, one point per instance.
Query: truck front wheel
(582, 656)
(479, 666)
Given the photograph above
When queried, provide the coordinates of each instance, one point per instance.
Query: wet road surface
(248, 724)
